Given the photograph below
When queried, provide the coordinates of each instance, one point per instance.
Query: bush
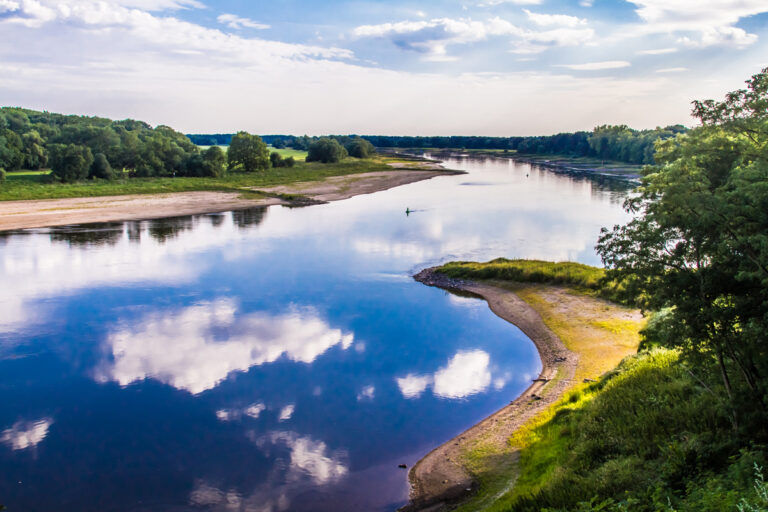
(360, 148)
(101, 168)
(2, 174)
(327, 151)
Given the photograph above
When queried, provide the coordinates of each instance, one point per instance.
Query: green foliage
(248, 153)
(2, 174)
(28, 138)
(70, 162)
(326, 150)
(645, 437)
(37, 185)
(535, 271)
(101, 168)
(360, 148)
(277, 160)
(698, 246)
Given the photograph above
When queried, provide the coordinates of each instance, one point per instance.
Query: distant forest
(619, 143)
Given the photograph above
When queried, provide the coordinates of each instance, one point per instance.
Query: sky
(398, 67)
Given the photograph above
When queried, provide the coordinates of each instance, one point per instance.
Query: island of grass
(613, 423)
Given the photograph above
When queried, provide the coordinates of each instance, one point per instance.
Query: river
(270, 359)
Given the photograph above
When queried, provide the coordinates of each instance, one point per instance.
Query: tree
(71, 162)
(326, 150)
(100, 168)
(214, 162)
(360, 148)
(248, 153)
(699, 245)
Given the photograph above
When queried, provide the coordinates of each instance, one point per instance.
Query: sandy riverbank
(85, 210)
(590, 337)
(440, 476)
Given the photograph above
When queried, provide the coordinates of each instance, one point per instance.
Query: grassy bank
(37, 185)
(583, 278)
(641, 433)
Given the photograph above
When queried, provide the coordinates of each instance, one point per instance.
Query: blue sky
(485, 67)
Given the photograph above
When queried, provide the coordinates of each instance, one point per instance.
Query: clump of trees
(277, 160)
(80, 147)
(326, 150)
(697, 249)
(247, 153)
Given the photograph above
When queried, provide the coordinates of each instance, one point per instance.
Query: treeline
(608, 142)
(80, 147)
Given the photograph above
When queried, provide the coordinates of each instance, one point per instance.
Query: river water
(270, 359)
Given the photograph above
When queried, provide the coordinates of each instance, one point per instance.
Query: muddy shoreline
(86, 210)
(439, 477)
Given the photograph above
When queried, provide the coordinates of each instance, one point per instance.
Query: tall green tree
(100, 168)
(70, 162)
(699, 245)
(248, 153)
(326, 150)
(360, 148)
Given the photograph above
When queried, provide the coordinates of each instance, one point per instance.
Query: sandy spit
(85, 210)
(439, 477)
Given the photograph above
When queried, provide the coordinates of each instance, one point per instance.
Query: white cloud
(286, 413)
(596, 66)
(433, 37)
(367, 393)
(412, 386)
(236, 22)
(658, 51)
(182, 348)
(558, 20)
(671, 70)
(23, 435)
(712, 20)
(488, 3)
(169, 33)
(252, 411)
(310, 464)
(467, 373)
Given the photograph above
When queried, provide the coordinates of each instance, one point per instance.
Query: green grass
(645, 437)
(581, 277)
(527, 271)
(32, 185)
(299, 156)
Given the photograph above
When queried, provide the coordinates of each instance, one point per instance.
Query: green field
(37, 185)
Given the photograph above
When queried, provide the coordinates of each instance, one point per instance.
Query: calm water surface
(270, 359)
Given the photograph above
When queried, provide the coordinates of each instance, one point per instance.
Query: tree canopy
(248, 153)
(326, 150)
(698, 246)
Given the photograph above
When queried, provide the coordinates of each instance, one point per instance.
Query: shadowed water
(269, 359)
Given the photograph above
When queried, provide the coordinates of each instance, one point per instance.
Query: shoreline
(41, 213)
(439, 478)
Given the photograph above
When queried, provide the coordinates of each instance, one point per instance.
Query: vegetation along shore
(680, 423)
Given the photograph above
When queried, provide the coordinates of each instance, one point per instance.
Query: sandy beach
(440, 477)
(85, 210)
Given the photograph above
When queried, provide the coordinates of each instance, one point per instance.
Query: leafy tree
(275, 159)
(2, 174)
(326, 150)
(248, 153)
(214, 162)
(100, 168)
(699, 245)
(70, 162)
(289, 162)
(360, 148)
(35, 156)
(11, 150)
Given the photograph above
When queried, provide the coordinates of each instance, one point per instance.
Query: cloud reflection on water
(197, 347)
(300, 463)
(466, 374)
(23, 435)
